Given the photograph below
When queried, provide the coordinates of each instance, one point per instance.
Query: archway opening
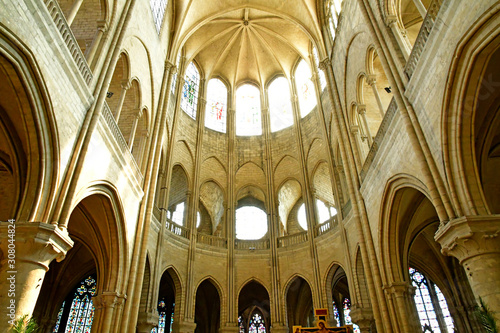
(207, 311)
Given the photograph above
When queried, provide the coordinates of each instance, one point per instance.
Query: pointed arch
(28, 129)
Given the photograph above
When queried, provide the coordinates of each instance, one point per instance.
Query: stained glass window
(77, 315)
(427, 294)
(59, 315)
(280, 105)
(240, 325)
(322, 78)
(336, 313)
(347, 315)
(158, 8)
(248, 117)
(305, 88)
(256, 324)
(189, 100)
(162, 311)
(251, 223)
(162, 321)
(216, 108)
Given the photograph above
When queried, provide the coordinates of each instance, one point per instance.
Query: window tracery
(78, 315)
(427, 298)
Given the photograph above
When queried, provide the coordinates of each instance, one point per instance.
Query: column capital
(469, 236)
(279, 328)
(184, 326)
(146, 321)
(361, 109)
(229, 328)
(371, 79)
(36, 242)
(108, 299)
(323, 64)
(362, 317)
(102, 25)
(390, 19)
(354, 129)
(399, 289)
(126, 84)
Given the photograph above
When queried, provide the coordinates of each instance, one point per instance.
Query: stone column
(146, 321)
(134, 129)
(372, 82)
(363, 317)
(28, 248)
(229, 329)
(401, 294)
(362, 114)
(421, 8)
(102, 28)
(105, 310)
(74, 10)
(392, 23)
(474, 241)
(279, 328)
(184, 326)
(357, 138)
(126, 84)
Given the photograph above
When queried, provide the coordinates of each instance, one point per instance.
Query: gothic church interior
(232, 165)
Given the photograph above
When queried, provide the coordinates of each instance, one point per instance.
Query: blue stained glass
(256, 324)
(240, 324)
(59, 315)
(347, 315)
(81, 312)
(336, 313)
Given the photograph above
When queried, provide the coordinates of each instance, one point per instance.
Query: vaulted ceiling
(243, 41)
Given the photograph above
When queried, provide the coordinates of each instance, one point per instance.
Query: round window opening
(251, 223)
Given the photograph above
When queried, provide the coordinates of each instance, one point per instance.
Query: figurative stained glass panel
(81, 312)
(256, 324)
(240, 325)
(59, 315)
(162, 313)
(280, 104)
(336, 313)
(189, 100)
(347, 315)
(305, 88)
(248, 113)
(216, 108)
(158, 9)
